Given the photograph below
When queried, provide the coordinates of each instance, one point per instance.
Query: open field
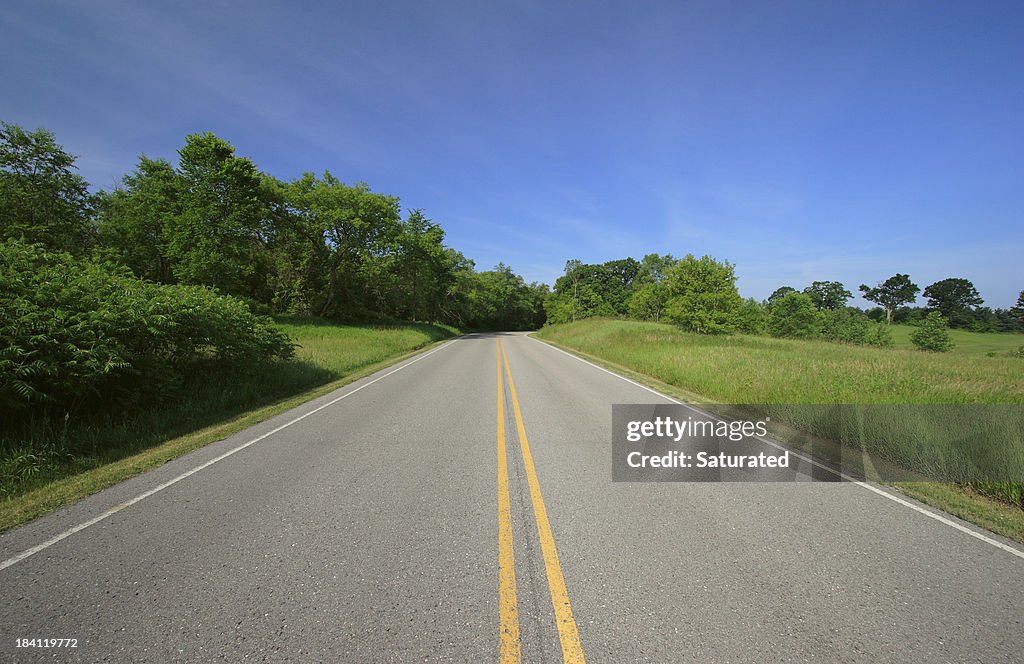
(762, 370)
(964, 342)
(47, 467)
(757, 370)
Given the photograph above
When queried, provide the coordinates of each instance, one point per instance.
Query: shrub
(75, 333)
(794, 316)
(932, 334)
(844, 326)
(880, 335)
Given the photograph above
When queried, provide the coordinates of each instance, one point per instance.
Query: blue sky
(798, 140)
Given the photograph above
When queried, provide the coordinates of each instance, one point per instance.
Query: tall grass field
(45, 452)
(777, 373)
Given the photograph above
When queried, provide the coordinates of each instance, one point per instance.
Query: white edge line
(142, 496)
(869, 487)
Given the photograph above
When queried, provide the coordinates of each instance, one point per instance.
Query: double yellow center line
(508, 608)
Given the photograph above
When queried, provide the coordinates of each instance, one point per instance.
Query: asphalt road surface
(442, 510)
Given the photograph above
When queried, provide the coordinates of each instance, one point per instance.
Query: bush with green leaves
(844, 326)
(932, 334)
(880, 335)
(78, 334)
(793, 315)
(851, 326)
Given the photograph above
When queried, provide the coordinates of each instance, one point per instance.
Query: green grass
(341, 349)
(742, 369)
(964, 342)
(761, 370)
(49, 465)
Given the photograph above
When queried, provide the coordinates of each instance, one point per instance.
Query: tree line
(700, 295)
(311, 246)
(316, 245)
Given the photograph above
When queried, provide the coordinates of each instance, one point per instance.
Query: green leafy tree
(41, 199)
(932, 334)
(614, 282)
(650, 291)
(828, 294)
(780, 293)
(955, 299)
(423, 268)
(654, 268)
(752, 317)
(648, 301)
(793, 315)
(559, 308)
(537, 295)
(891, 293)
(217, 239)
(132, 219)
(603, 289)
(702, 295)
(352, 233)
(564, 304)
(296, 278)
(503, 301)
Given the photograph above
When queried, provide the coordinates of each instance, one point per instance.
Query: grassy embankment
(743, 369)
(58, 467)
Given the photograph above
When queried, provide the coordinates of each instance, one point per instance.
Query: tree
(932, 334)
(217, 239)
(891, 293)
(353, 233)
(828, 294)
(780, 293)
(132, 219)
(614, 282)
(648, 301)
(41, 199)
(654, 268)
(501, 300)
(751, 317)
(649, 290)
(573, 274)
(702, 295)
(793, 315)
(1017, 310)
(423, 268)
(954, 299)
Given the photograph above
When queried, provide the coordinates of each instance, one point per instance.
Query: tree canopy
(43, 200)
(891, 293)
(954, 299)
(828, 294)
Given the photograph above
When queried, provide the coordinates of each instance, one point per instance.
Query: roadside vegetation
(142, 315)
(747, 369)
(45, 464)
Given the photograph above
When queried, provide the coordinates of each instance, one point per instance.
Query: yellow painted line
(568, 635)
(508, 608)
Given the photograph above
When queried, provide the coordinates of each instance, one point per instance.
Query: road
(421, 514)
